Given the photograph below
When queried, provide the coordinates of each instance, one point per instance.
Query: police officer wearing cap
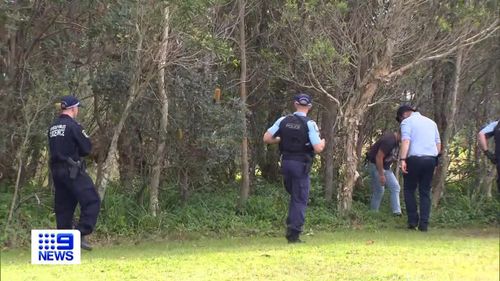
(299, 139)
(420, 146)
(491, 130)
(68, 143)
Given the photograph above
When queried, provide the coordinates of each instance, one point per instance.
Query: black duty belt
(59, 165)
(297, 157)
(423, 157)
(75, 167)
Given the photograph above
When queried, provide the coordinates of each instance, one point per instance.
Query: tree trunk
(350, 123)
(350, 126)
(111, 161)
(484, 171)
(184, 184)
(329, 156)
(270, 157)
(162, 134)
(486, 179)
(245, 182)
(134, 92)
(30, 117)
(20, 171)
(439, 188)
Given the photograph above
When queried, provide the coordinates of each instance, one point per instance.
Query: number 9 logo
(65, 241)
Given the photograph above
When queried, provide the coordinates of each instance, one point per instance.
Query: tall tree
(347, 51)
(245, 177)
(162, 132)
(141, 73)
(450, 115)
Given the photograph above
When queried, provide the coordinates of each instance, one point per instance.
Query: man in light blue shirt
(420, 147)
(491, 130)
(298, 139)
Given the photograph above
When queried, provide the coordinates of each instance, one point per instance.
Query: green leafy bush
(215, 213)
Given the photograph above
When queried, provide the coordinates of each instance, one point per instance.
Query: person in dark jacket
(380, 156)
(298, 138)
(68, 143)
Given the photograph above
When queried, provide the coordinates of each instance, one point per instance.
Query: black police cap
(401, 110)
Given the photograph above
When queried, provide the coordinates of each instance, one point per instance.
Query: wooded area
(179, 93)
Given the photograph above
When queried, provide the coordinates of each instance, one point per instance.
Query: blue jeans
(378, 189)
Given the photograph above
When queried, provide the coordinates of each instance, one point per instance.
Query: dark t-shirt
(387, 143)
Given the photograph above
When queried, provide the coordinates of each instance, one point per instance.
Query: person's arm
(269, 136)
(437, 139)
(405, 144)
(403, 154)
(483, 141)
(317, 143)
(82, 140)
(270, 139)
(379, 163)
(482, 138)
(484, 134)
(318, 148)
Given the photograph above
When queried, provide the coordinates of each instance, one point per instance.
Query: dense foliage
(358, 59)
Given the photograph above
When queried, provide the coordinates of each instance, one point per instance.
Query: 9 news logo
(52, 246)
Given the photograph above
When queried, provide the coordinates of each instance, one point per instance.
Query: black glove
(491, 156)
(439, 160)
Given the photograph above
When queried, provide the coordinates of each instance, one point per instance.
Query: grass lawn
(346, 255)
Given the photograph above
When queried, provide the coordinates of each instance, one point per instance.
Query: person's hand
(439, 159)
(404, 168)
(382, 179)
(491, 156)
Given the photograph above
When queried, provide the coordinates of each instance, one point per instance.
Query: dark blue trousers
(297, 182)
(420, 172)
(498, 175)
(69, 193)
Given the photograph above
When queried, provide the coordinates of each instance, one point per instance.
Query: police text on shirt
(57, 130)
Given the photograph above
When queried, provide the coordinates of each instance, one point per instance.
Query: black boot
(293, 236)
(85, 245)
(422, 228)
(412, 227)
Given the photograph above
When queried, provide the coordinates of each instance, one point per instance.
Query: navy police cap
(69, 102)
(401, 110)
(303, 99)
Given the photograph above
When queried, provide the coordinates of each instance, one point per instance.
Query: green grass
(347, 255)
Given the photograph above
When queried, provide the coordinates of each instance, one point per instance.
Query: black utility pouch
(74, 168)
(73, 172)
(309, 163)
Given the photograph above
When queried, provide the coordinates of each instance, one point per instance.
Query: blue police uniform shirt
(67, 139)
(489, 129)
(311, 125)
(422, 133)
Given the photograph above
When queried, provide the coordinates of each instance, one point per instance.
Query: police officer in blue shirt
(298, 138)
(68, 142)
(420, 147)
(491, 130)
